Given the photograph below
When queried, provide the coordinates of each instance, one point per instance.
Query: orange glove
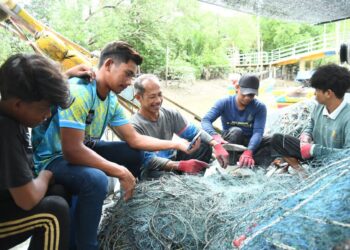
(246, 159)
(192, 166)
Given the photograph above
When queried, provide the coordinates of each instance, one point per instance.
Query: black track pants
(285, 145)
(47, 224)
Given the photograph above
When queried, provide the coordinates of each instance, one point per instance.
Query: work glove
(192, 166)
(305, 150)
(221, 155)
(219, 139)
(305, 138)
(239, 241)
(246, 159)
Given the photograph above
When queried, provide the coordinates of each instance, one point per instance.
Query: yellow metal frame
(49, 42)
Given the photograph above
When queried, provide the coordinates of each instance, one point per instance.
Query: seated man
(243, 121)
(69, 145)
(154, 120)
(29, 85)
(328, 130)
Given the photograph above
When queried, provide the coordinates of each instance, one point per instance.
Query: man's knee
(206, 152)
(59, 190)
(96, 180)
(139, 157)
(276, 139)
(56, 206)
(235, 131)
(234, 135)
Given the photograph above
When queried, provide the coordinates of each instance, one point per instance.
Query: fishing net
(316, 11)
(290, 120)
(222, 211)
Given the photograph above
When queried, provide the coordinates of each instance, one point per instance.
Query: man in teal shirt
(328, 130)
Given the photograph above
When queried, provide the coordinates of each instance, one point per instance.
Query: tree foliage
(176, 32)
(276, 33)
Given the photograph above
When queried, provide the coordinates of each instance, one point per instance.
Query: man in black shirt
(29, 86)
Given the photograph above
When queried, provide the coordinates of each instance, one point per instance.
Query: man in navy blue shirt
(243, 121)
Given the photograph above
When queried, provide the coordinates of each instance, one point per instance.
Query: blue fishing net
(223, 211)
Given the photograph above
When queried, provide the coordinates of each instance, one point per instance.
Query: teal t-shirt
(88, 112)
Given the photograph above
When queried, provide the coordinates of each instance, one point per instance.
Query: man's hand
(305, 138)
(81, 71)
(305, 150)
(219, 139)
(221, 155)
(127, 183)
(192, 166)
(183, 145)
(246, 159)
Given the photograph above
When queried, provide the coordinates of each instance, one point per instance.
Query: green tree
(10, 44)
(276, 34)
(194, 38)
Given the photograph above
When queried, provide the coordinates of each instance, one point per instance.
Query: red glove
(246, 159)
(238, 242)
(305, 150)
(305, 138)
(221, 155)
(192, 166)
(219, 139)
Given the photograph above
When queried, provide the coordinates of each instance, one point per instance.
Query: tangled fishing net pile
(225, 212)
(291, 120)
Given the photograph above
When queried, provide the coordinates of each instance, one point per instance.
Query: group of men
(68, 122)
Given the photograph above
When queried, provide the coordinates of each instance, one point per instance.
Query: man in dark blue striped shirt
(243, 121)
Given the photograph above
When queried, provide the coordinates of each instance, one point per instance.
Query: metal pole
(166, 65)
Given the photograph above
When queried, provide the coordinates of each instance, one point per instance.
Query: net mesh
(316, 11)
(223, 212)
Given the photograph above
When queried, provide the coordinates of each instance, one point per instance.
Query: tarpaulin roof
(310, 11)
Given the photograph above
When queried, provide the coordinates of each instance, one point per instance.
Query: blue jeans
(89, 185)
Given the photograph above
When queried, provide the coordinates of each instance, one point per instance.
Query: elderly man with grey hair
(154, 120)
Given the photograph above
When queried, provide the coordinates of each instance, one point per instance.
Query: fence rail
(319, 44)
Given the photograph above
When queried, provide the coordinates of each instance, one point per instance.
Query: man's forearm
(85, 156)
(171, 166)
(208, 126)
(149, 143)
(255, 141)
(30, 194)
(41, 184)
(319, 150)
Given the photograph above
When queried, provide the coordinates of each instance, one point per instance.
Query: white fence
(323, 43)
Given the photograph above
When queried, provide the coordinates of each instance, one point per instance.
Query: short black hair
(121, 52)
(333, 77)
(32, 77)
